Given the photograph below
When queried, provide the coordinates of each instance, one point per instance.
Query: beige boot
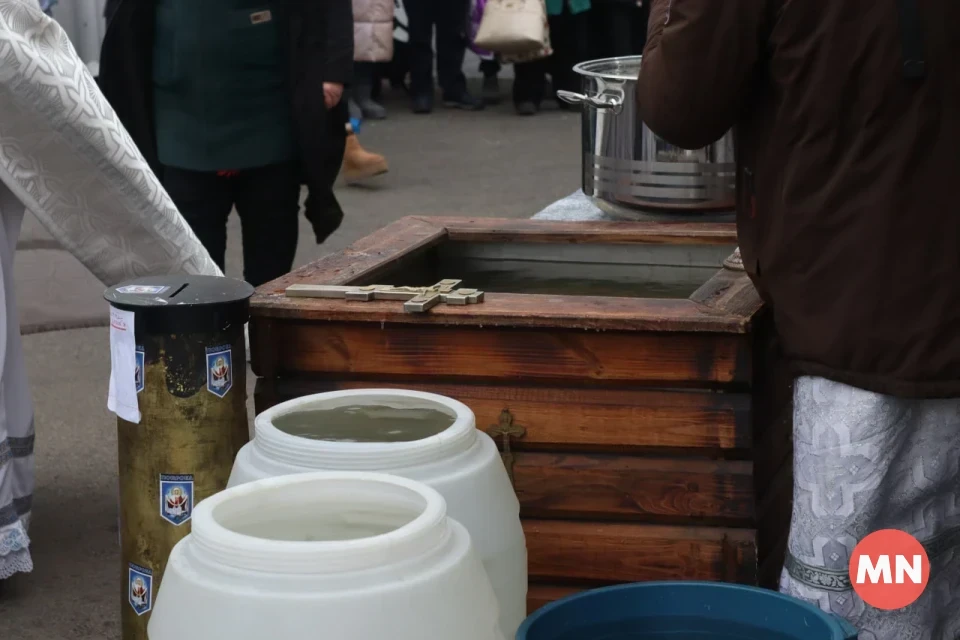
(360, 164)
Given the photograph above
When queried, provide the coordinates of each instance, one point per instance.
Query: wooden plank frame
(701, 491)
(453, 352)
(585, 420)
(725, 304)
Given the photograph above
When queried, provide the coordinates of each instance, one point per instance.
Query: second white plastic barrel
(449, 455)
(344, 556)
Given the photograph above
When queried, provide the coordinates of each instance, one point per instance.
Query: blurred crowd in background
(578, 30)
(238, 104)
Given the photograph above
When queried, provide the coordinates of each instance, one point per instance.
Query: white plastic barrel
(344, 556)
(460, 462)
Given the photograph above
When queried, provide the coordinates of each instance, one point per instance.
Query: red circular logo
(889, 569)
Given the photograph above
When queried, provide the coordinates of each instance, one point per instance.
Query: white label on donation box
(122, 398)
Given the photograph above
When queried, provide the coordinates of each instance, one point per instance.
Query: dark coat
(848, 218)
(319, 38)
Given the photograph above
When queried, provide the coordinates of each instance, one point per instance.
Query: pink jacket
(372, 30)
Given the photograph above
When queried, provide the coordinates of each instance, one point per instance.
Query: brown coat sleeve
(697, 66)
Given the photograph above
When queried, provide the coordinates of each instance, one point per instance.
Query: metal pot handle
(602, 102)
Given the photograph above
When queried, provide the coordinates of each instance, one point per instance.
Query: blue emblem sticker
(138, 369)
(176, 498)
(219, 370)
(140, 589)
(142, 289)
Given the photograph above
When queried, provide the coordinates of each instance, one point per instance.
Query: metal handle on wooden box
(602, 102)
(507, 429)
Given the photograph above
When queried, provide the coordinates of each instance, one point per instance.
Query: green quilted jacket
(555, 7)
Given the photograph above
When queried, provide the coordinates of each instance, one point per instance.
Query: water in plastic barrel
(683, 611)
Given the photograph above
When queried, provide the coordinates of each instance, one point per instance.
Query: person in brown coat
(847, 121)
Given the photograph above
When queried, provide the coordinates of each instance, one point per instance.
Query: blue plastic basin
(683, 611)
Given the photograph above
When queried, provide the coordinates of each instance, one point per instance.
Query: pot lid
(622, 68)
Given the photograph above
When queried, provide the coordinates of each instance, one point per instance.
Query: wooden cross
(415, 299)
(506, 428)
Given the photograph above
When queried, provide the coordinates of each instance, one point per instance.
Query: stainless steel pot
(628, 169)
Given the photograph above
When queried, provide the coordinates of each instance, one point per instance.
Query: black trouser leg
(451, 19)
(363, 73)
(362, 90)
(570, 35)
(613, 25)
(205, 201)
(640, 19)
(398, 67)
(380, 72)
(420, 18)
(529, 81)
(490, 68)
(268, 201)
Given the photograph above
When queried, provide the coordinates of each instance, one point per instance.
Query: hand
(332, 92)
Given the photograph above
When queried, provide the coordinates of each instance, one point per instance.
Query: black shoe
(491, 90)
(463, 100)
(422, 104)
(526, 108)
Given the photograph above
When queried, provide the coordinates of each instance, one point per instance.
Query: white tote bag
(513, 26)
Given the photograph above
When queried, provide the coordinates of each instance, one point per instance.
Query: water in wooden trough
(365, 423)
(658, 271)
(560, 279)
